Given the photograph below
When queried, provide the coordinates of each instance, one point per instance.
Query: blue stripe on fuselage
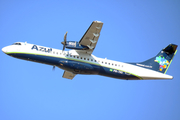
(76, 67)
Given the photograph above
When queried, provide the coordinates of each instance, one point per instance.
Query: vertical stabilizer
(162, 60)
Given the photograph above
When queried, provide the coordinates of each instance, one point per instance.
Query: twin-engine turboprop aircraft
(80, 60)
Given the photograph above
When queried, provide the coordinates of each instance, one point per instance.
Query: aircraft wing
(90, 38)
(68, 75)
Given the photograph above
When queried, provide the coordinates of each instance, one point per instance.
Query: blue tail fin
(162, 60)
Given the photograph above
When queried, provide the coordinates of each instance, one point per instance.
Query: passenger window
(105, 62)
(16, 43)
(78, 57)
(91, 59)
(81, 57)
(95, 61)
(115, 64)
(70, 55)
(88, 59)
(84, 58)
(74, 56)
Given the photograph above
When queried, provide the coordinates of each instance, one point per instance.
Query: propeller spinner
(64, 42)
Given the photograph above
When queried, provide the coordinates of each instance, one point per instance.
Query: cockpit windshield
(16, 43)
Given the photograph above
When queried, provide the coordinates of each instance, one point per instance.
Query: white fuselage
(113, 67)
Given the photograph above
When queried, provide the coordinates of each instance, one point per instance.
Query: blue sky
(133, 31)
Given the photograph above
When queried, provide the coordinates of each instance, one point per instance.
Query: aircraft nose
(4, 49)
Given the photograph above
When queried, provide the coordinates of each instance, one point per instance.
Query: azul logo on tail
(163, 63)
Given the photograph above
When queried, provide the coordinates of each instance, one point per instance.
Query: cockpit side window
(16, 43)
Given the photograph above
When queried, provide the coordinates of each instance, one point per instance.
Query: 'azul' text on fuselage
(43, 49)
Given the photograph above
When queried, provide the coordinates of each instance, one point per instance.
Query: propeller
(64, 42)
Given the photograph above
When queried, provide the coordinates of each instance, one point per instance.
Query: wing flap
(68, 75)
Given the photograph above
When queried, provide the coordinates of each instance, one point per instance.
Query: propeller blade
(65, 36)
(64, 42)
(64, 47)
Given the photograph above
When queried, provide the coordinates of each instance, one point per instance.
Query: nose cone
(4, 49)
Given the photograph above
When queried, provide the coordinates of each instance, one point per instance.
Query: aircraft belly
(36, 58)
(117, 74)
(78, 67)
(72, 66)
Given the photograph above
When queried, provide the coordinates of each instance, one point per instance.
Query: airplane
(80, 60)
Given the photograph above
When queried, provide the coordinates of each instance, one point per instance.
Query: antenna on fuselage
(53, 67)
(64, 42)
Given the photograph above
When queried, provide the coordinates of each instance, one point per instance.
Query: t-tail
(162, 60)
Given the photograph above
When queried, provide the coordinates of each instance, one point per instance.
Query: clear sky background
(133, 31)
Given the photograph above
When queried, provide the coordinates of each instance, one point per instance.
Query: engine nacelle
(75, 45)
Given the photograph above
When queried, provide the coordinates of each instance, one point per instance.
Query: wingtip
(97, 21)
